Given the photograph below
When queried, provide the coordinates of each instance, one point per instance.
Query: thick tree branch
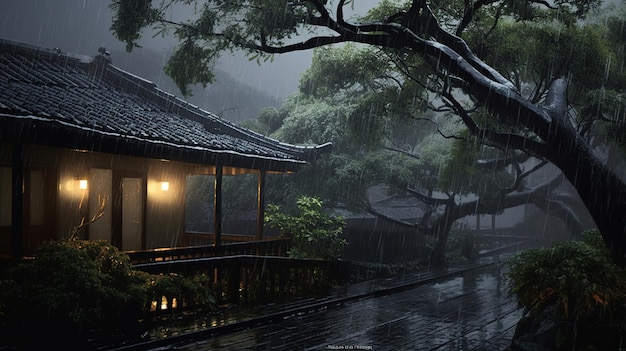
(504, 140)
(514, 157)
(468, 15)
(520, 176)
(403, 152)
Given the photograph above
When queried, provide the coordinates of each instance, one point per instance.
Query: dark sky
(78, 27)
(82, 26)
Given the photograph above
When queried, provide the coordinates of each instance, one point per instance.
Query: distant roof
(52, 98)
(403, 208)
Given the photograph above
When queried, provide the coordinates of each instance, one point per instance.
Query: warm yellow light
(165, 186)
(163, 303)
(82, 184)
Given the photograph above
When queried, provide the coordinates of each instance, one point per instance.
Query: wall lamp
(83, 184)
(165, 186)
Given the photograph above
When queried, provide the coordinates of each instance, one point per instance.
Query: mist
(80, 27)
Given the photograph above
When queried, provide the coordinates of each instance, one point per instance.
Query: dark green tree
(345, 82)
(331, 105)
(312, 232)
(542, 128)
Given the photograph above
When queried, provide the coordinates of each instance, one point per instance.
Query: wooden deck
(461, 308)
(470, 311)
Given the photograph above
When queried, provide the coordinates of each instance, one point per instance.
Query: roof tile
(45, 84)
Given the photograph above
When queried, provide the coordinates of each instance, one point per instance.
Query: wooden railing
(276, 247)
(258, 279)
(206, 239)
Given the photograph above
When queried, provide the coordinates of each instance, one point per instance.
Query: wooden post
(17, 203)
(260, 205)
(217, 205)
(234, 281)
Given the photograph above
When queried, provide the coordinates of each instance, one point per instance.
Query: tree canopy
(515, 108)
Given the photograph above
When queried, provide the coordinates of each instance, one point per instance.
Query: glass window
(199, 195)
(37, 200)
(239, 204)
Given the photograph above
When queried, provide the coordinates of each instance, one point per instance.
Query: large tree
(374, 85)
(404, 146)
(494, 106)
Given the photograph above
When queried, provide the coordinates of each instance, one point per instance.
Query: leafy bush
(70, 287)
(77, 286)
(578, 277)
(192, 291)
(573, 297)
(313, 233)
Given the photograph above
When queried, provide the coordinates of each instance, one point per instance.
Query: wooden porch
(253, 272)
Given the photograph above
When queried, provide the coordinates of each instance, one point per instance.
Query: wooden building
(81, 138)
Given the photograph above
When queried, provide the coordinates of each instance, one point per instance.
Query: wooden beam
(217, 204)
(260, 205)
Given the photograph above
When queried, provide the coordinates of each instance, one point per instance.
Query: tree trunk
(539, 196)
(600, 189)
(442, 230)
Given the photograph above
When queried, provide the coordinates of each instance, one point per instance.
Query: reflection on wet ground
(471, 311)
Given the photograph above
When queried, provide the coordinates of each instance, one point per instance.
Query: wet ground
(463, 308)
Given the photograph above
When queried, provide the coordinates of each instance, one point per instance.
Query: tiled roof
(405, 208)
(115, 111)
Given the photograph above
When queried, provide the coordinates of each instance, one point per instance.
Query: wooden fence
(257, 279)
(277, 247)
(252, 272)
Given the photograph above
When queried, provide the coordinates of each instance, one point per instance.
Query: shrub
(77, 286)
(70, 287)
(188, 291)
(577, 286)
(578, 276)
(313, 233)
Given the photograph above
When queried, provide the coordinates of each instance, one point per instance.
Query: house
(83, 140)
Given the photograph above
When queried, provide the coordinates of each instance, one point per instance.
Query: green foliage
(192, 291)
(313, 233)
(541, 50)
(309, 121)
(130, 17)
(578, 277)
(85, 284)
(76, 286)
(190, 64)
(210, 29)
(462, 175)
(345, 69)
(352, 97)
(607, 103)
(378, 101)
(461, 248)
(369, 121)
(272, 119)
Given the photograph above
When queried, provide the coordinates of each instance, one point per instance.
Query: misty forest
(509, 112)
(468, 100)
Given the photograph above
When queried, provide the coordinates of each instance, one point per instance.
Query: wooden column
(217, 205)
(17, 203)
(260, 205)
(477, 221)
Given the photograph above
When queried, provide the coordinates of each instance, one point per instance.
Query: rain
(349, 175)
